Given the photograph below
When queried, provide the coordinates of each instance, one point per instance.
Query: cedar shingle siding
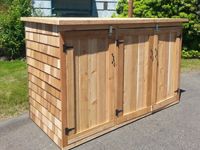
(78, 8)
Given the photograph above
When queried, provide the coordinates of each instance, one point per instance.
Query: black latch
(68, 130)
(118, 111)
(119, 42)
(66, 47)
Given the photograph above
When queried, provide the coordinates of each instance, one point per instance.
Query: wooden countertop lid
(100, 21)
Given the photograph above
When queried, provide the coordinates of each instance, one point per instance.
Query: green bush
(190, 54)
(12, 43)
(122, 8)
(4, 4)
(172, 9)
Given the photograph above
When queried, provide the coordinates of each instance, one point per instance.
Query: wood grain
(97, 21)
(81, 87)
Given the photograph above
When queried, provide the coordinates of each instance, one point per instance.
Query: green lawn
(188, 65)
(13, 88)
(13, 85)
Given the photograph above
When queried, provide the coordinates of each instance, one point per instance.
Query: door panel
(136, 91)
(168, 55)
(112, 82)
(89, 76)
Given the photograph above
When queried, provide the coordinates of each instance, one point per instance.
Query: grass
(13, 88)
(188, 65)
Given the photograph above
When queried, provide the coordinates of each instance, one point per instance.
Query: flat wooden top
(99, 21)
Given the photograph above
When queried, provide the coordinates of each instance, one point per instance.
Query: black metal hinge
(66, 47)
(157, 28)
(68, 130)
(118, 111)
(179, 36)
(118, 42)
(179, 91)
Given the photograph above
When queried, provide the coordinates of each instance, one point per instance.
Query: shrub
(190, 54)
(4, 4)
(172, 9)
(12, 32)
(122, 8)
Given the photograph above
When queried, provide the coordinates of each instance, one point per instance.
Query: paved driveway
(176, 128)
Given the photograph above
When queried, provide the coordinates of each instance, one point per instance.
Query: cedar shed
(89, 76)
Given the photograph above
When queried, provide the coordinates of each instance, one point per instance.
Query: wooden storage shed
(89, 76)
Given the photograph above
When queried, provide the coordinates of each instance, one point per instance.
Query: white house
(72, 8)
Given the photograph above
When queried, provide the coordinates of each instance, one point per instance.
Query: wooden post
(130, 8)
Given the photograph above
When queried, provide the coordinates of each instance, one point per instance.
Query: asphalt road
(176, 128)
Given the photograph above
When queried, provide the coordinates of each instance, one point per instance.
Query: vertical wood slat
(178, 47)
(154, 69)
(83, 86)
(77, 46)
(111, 80)
(130, 74)
(70, 70)
(120, 76)
(140, 73)
(163, 55)
(171, 65)
(147, 72)
(92, 82)
(63, 90)
(102, 101)
(150, 75)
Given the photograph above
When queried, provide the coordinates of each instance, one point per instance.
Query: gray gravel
(176, 128)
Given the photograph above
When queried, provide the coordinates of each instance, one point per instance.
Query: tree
(12, 32)
(4, 4)
(171, 9)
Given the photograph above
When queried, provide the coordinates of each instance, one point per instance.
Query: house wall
(71, 8)
(42, 7)
(100, 8)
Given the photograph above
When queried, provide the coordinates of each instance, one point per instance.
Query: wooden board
(44, 76)
(168, 65)
(99, 21)
(134, 73)
(79, 77)
(88, 66)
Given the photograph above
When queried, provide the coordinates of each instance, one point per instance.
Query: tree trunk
(130, 8)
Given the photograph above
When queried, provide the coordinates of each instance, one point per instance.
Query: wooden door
(90, 87)
(134, 73)
(168, 67)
